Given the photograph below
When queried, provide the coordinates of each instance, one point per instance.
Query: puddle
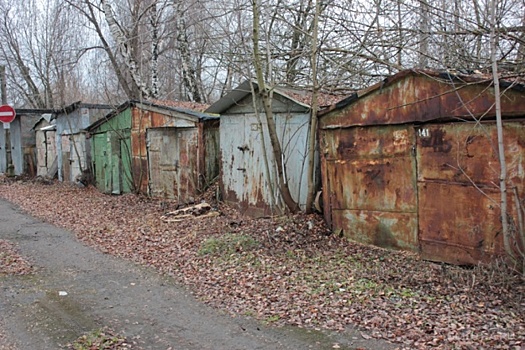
(329, 340)
(60, 318)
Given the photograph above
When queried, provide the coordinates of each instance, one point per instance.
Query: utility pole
(3, 86)
(7, 147)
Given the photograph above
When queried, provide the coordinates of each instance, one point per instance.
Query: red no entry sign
(7, 114)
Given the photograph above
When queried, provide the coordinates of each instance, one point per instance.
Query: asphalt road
(76, 289)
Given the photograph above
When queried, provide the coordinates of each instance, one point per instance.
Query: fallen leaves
(290, 270)
(12, 263)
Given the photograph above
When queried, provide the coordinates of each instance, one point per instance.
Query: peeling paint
(404, 168)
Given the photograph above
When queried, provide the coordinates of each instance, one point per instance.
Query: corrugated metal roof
(145, 105)
(79, 104)
(33, 111)
(512, 82)
(245, 89)
(193, 106)
(172, 106)
(49, 127)
(48, 117)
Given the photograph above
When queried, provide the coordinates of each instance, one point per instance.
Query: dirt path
(137, 302)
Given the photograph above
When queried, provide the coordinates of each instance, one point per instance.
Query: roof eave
(240, 92)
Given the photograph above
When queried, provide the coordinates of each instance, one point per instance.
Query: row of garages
(409, 163)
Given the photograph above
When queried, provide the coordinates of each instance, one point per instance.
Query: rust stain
(173, 162)
(140, 174)
(459, 216)
(454, 206)
(459, 152)
(346, 146)
(435, 140)
(369, 185)
(377, 174)
(458, 224)
(326, 181)
(392, 179)
(157, 119)
(416, 96)
(200, 167)
(375, 185)
(384, 229)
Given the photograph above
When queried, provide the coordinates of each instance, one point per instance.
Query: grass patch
(272, 319)
(100, 339)
(228, 244)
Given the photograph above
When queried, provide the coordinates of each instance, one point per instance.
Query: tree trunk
(520, 57)
(264, 93)
(126, 50)
(154, 21)
(112, 58)
(424, 34)
(313, 116)
(298, 41)
(188, 73)
(499, 125)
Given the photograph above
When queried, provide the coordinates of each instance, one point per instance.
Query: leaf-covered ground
(290, 270)
(12, 263)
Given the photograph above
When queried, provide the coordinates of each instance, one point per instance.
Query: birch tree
(189, 73)
(125, 37)
(501, 147)
(129, 45)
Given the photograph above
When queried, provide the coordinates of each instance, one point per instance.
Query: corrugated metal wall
(46, 151)
(154, 151)
(111, 154)
(370, 183)
(248, 177)
(458, 188)
(402, 168)
(173, 163)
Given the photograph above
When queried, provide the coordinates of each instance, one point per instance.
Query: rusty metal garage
(411, 163)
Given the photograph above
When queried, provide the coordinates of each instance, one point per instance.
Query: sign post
(7, 115)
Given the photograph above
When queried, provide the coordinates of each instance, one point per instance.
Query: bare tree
(128, 45)
(424, 30)
(266, 98)
(189, 74)
(315, 106)
(199, 48)
(39, 50)
(130, 39)
(501, 147)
